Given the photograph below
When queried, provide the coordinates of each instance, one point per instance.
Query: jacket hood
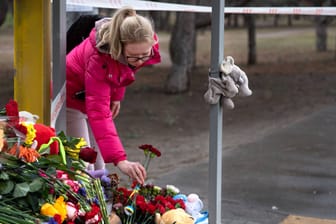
(99, 24)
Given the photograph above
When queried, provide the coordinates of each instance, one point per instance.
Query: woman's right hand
(134, 170)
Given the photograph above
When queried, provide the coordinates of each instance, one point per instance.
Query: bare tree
(252, 43)
(321, 27)
(182, 52)
(321, 24)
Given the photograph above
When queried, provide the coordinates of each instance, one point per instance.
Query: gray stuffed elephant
(232, 81)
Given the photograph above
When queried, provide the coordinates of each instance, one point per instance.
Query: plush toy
(2, 136)
(194, 206)
(222, 88)
(174, 216)
(114, 218)
(43, 135)
(239, 76)
(28, 117)
(232, 81)
(43, 132)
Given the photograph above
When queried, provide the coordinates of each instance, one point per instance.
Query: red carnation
(155, 151)
(88, 155)
(145, 146)
(151, 209)
(150, 148)
(94, 215)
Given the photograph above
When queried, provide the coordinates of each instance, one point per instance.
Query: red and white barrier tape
(161, 6)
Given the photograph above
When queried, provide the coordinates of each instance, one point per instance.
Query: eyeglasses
(135, 59)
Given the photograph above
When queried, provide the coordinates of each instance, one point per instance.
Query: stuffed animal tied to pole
(232, 81)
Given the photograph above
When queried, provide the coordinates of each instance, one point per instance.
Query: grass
(273, 44)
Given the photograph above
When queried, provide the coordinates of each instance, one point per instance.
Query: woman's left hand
(115, 108)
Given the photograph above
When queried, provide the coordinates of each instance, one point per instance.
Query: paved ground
(289, 172)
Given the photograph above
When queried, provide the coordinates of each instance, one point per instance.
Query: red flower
(146, 146)
(151, 209)
(155, 151)
(21, 128)
(58, 218)
(151, 149)
(88, 155)
(12, 108)
(180, 204)
(94, 215)
(160, 208)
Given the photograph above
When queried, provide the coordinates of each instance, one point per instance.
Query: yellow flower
(31, 133)
(48, 209)
(59, 208)
(81, 143)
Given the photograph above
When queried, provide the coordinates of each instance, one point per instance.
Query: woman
(97, 73)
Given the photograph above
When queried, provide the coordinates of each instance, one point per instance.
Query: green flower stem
(98, 189)
(82, 178)
(146, 163)
(52, 181)
(5, 218)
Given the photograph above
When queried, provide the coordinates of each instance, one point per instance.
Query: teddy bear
(174, 216)
(231, 82)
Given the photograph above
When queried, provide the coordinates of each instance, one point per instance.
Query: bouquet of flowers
(37, 186)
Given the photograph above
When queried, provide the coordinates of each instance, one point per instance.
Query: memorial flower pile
(140, 203)
(37, 186)
(43, 179)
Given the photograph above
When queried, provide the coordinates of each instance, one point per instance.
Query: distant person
(97, 73)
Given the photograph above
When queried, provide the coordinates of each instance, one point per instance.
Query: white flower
(173, 189)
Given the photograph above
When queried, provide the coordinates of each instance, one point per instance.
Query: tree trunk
(161, 20)
(182, 52)
(252, 44)
(321, 33)
(289, 20)
(276, 20)
(3, 11)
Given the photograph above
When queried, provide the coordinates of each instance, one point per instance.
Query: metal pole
(216, 115)
(58, 114)
(32, 57)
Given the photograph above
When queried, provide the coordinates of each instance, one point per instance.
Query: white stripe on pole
(161, 6)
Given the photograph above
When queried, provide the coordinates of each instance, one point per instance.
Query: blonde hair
(125, 27)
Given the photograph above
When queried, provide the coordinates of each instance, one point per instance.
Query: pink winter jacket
(104, 80)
